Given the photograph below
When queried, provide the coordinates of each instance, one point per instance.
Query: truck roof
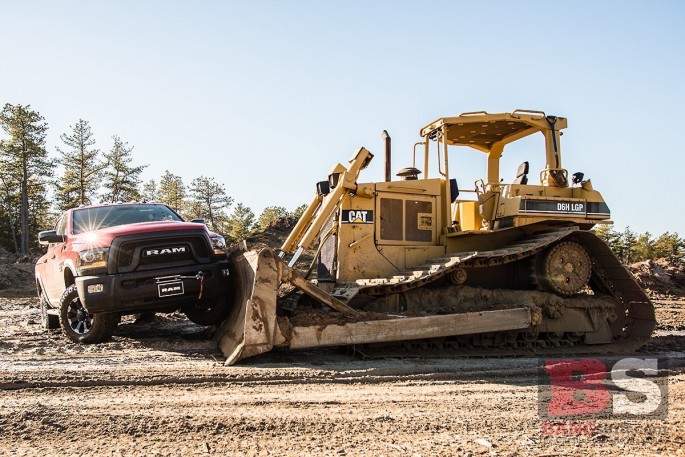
(100, 205)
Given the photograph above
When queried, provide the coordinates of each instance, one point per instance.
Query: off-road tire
(207, 313)
(81, 327)
(48, 320)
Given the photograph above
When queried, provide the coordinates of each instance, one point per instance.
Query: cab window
(61, 225)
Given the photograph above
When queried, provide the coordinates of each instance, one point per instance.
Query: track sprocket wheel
(564, 269)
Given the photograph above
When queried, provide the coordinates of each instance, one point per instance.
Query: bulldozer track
(633, 327)
(615, 280)
(438, 268)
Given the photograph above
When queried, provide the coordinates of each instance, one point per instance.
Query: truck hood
(104, 237)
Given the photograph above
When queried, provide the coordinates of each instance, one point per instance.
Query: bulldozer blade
(250, 328)
(409, 328)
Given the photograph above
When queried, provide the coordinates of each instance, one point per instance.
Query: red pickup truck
(105, 261)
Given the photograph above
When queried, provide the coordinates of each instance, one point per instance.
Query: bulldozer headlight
(323, 188)
(333, 180)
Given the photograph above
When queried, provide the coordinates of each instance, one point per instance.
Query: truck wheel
(49, 321)
(79, 325)
(207, 313)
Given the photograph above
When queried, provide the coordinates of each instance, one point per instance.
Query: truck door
(53, 275)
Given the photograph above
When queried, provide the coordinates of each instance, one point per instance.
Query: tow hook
(200, 276)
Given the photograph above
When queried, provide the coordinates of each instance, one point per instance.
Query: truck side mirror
(50, 236)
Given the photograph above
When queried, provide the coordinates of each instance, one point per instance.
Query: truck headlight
(91, 259)
(219, 245)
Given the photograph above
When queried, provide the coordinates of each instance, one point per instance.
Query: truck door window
(60, 226)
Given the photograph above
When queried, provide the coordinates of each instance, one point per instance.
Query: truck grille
(138, 253)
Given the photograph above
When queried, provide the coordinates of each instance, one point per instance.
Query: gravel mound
(660, 277)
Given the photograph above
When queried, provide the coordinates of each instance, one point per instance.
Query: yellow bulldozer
(423, 261)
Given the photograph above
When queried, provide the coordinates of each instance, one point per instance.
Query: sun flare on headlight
(91, 238)
(95, 256)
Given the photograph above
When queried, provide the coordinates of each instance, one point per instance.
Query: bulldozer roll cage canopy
(490, 133)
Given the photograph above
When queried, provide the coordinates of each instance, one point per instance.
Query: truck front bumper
(129, 293)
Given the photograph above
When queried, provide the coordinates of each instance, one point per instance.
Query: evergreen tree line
(631, 247)
(89, 176)
(206, 199)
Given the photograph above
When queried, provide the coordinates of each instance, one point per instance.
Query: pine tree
(628, 239)
(42, 218)
(82, 170)
(269, 214)
(172, 191)
(670, 246)
(241, 223)
(121, 179)
(631, 247)
(299, 211)
(9, 213)
(208, 200)
(609, 236)
(24, 164)
(644, 249)
(150, 191)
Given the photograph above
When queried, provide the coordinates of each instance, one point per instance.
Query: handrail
(437, 144)
(416, 144)
(528, 111)
(473, 113)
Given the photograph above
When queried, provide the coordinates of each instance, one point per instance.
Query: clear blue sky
(266, 96)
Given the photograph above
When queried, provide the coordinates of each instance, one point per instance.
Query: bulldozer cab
(530, 198)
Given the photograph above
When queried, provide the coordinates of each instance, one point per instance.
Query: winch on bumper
(151, 290)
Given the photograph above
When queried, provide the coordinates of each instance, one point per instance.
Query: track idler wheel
(458, 276)
(564, 269)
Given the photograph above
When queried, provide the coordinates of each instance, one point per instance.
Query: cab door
(52, 269)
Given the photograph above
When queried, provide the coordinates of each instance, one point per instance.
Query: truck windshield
(89, 219)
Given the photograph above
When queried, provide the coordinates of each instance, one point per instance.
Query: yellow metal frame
(459, 131)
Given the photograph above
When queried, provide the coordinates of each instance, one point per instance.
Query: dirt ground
(161, 388)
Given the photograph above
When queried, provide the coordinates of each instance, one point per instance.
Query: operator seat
(522, 174)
